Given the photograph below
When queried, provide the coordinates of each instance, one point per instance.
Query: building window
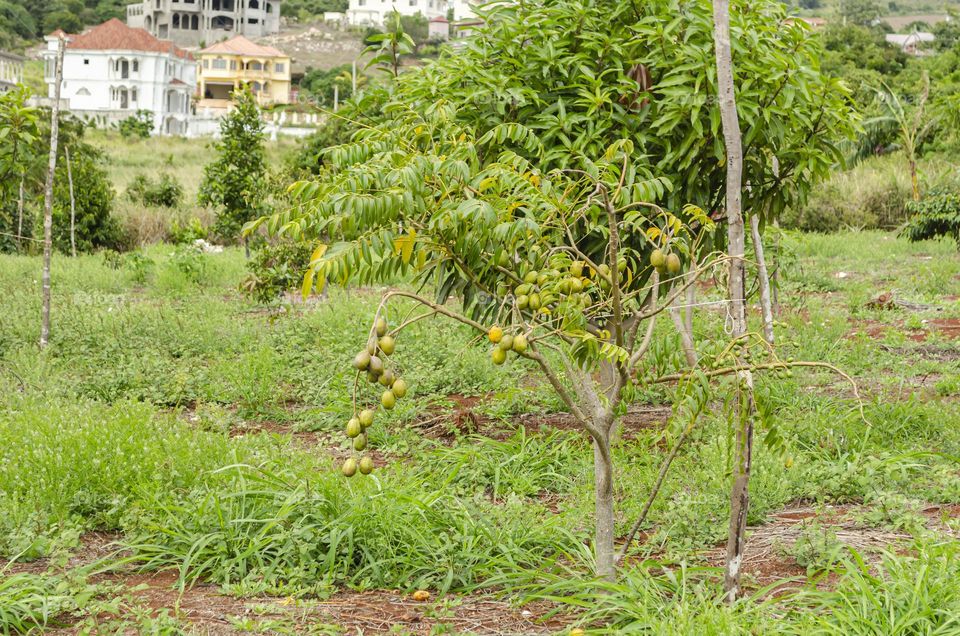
(279, 68)
(133, 96)
(233, 65)
(136, 66)
(206, 64)
(86, 61)
(220, 64)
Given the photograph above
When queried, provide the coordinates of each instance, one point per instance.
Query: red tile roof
(239, 45)
(114, 35)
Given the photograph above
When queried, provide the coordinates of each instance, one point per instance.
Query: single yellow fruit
(354, 427)
(376, 365)
(381, 327)
(673, 264)
(399, 388)
(421, 595)
(657, 258)
(366, 465)
(387, 378)
(576, 269)
(361, 361)
(499, 356)
(520, 343)
(388, 400)
(788, 463)
(387, 344)
(366, 418)
(531, 277)
(360, 442)
(534, 302)
(576, 631)
(349, 468)
(506, 343)
(495, 334)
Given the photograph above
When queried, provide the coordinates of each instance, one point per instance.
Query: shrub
(138, 125)
(275, 269)
(189, 232)
(936, 215)
(165, 192)
(96, 227)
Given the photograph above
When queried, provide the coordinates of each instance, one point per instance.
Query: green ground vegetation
(172, 411)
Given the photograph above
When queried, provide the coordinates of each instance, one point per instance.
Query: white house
(911, 43)
(374, 12)
(112, 70)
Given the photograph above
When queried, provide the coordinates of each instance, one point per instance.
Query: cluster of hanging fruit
(504, 343)
(371, 362)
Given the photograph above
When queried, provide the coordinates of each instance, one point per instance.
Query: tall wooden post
(73, 205)
(48, 196)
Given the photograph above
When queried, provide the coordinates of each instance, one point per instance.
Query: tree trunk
(48, 197)
(73, 205)
(914, 181)
(737, 312)
(20, 216)
(604, 519)
(766, 303)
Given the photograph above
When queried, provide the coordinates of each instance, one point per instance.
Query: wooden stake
(48, 196)
(73, 205)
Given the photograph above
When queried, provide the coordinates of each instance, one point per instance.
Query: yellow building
(228, 65)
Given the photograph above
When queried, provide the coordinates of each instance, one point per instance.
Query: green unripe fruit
(366, 418)
(360, 443)
(503, 260)
(388, 400)
(506, 343)
(673, 264)
(542, 279)
(604, 270)
(354, 428)
(576, 285)
(499, 356)
(534, 302)
(372, 377)
(387, 344)
(381, 327)
(658, 259)
(531, 277)
(523, 302)
(399, 388)
(387, 378)
(361, 361)
(520, 343)
(523, 290)
(576, 269)
(372, 347)
(376, 365)
(366, 465)
(349, 468)
(621, 264)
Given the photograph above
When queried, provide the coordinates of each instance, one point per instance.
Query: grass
(141, 419)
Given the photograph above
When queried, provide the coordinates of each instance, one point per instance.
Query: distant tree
(862, 12)
(388, 48)
(235, 183)
(19, 137)
(96, 227)
(137, 125)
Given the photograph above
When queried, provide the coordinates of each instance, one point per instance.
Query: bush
(275, 269)
(139, 125)
(165, 192)
(96, 227)
(874, 194)
(189, 232)
(935, 216)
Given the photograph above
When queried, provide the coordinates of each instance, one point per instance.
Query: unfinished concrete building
(195, 22)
